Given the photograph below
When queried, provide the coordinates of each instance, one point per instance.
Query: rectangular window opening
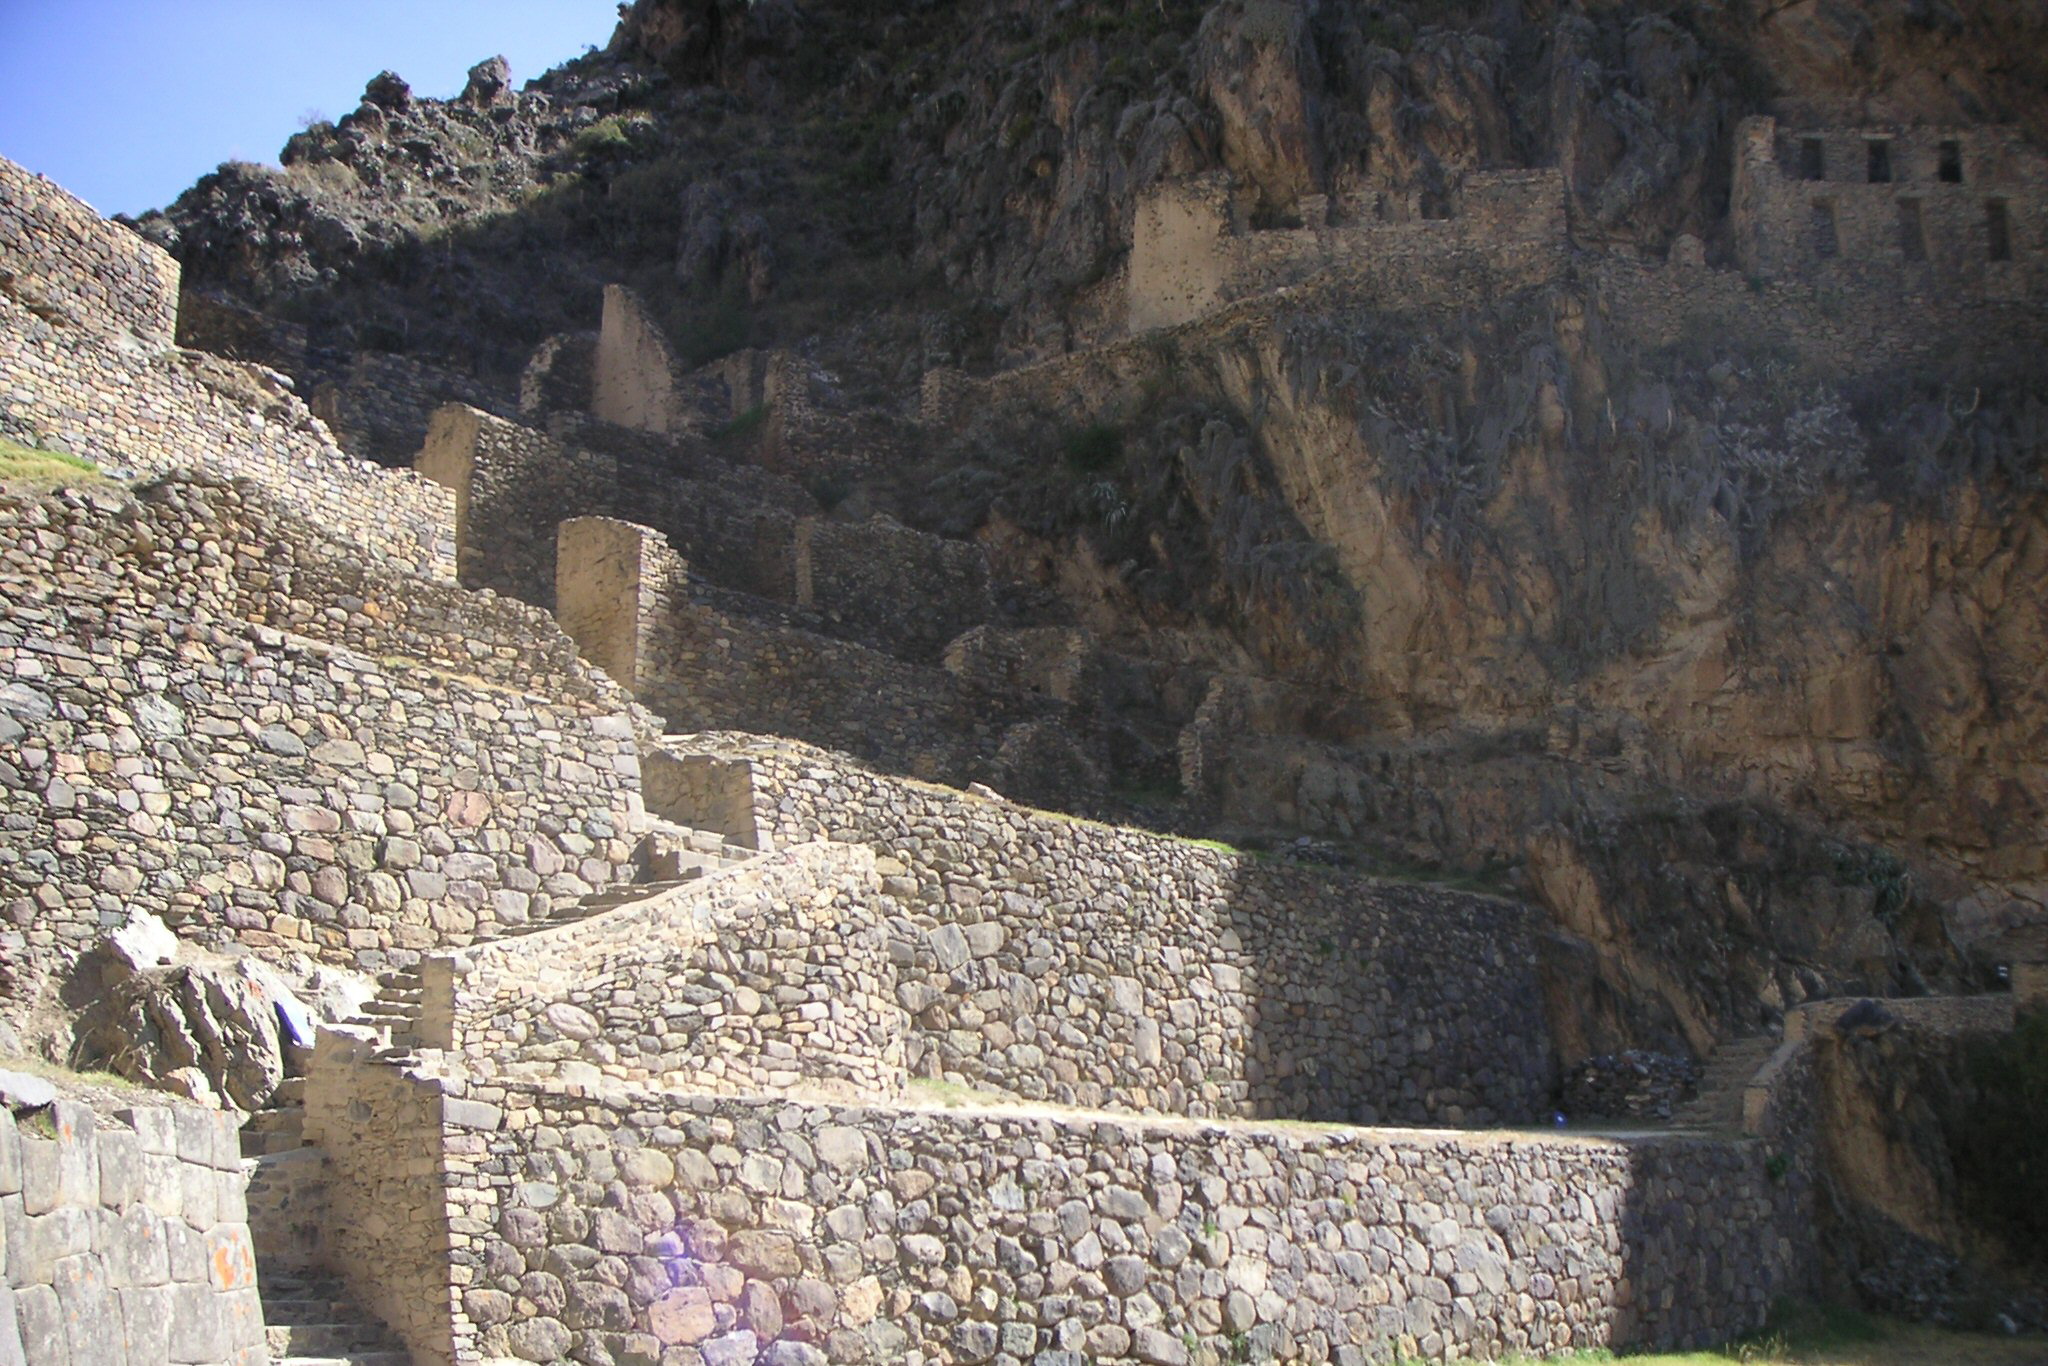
(1952, 162)
(1878, 160)
(1912, 235)
(1813, 159)
(1825, 243)
(1997, 230)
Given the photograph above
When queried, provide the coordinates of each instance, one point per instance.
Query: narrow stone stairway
(280, 1126)
(313, 1321)
(1717, 1105)
(672, 855)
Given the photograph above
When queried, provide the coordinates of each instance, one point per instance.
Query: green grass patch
(50, 1071)
(27, 465)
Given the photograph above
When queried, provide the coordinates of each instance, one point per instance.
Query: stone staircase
(313, 1321)
(1717, 1106)
(672, 856)
(281, 1125)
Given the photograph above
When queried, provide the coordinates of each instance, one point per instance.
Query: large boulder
(223, 1031)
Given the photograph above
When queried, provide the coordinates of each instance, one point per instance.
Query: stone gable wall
(127, 1238)
(60, 260)
(760, 978)
(811, 1231)
(306, 791)
(634, 379)
(1058, 959)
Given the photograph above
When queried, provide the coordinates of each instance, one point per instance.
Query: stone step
(269, 1145)
(290, 1092)
(1717, 1104)
(332, 1338)
(399, 977)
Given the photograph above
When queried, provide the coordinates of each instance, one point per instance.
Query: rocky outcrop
(220, 1031)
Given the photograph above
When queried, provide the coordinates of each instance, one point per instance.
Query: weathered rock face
(221, 1031)
(1895, 1099)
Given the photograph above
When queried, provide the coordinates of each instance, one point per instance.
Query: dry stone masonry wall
(133, 403)
(764, 977)
(790, 1232)
(163, 752)
(1052, 958)
(127, 1240)
(878, 581)
(380, 407)
(392, 1140)
(62, 262)
(1193, 251)
(1943, 210)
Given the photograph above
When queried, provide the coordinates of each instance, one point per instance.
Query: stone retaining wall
(1055, 958)
(154, 413)
(763, 977)
(883, 582)
(160, 751)
(785, 1232)
(747, 530)
(381, 407)
(1192, 250)
(1112, 383)
(127, 1240)
(1846, 324)
(60, 260)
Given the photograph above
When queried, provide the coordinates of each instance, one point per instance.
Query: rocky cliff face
(1732, 659)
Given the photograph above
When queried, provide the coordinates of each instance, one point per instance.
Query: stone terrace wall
(381, 408)
(760, 978)
(1054, 958)
(159, 752)
(60, 260)
(514, 485)
(884, 582)
(155, 413)
(741, 527)
(706, 666)
(126, 1239)
(1106, 382)
(1842, 324)
(639, 1223)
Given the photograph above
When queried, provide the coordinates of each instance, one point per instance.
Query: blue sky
(127, 102)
